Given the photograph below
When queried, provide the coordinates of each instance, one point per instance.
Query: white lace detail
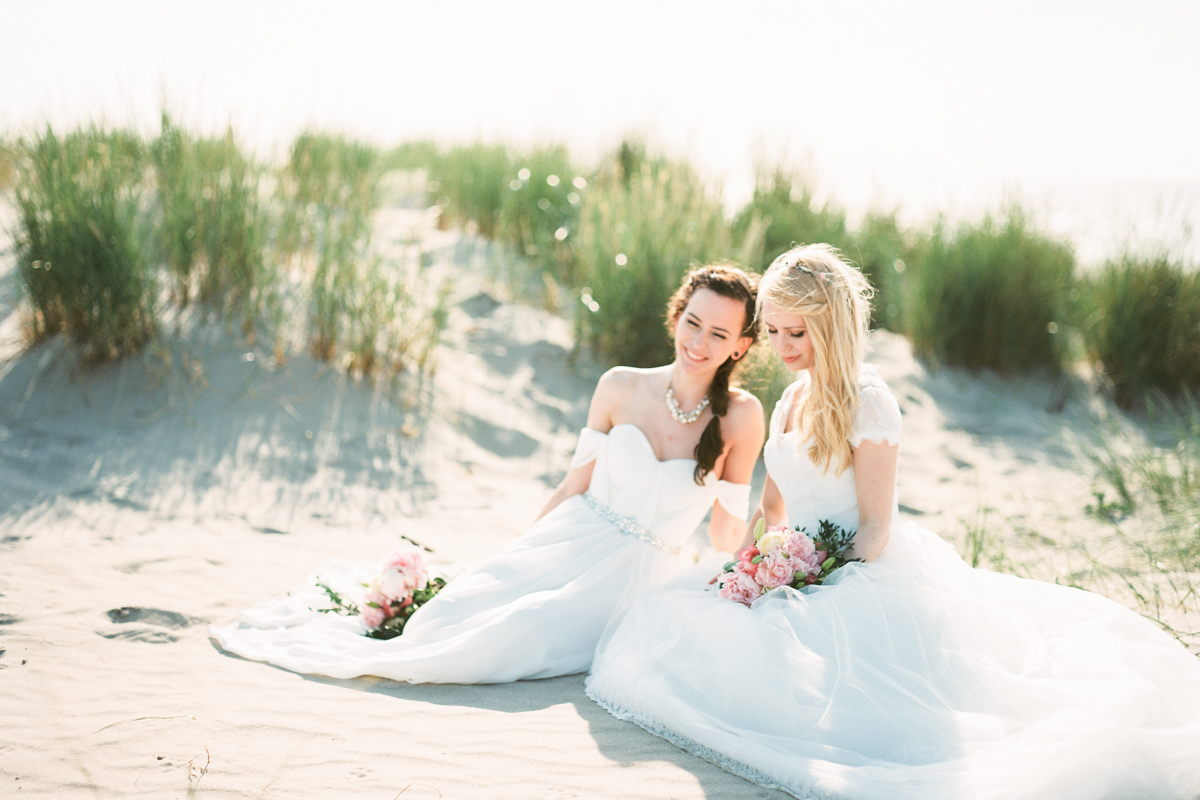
(590, 442)
(695, 748)
(878, 416)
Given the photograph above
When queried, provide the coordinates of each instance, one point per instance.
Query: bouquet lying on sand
(392, 597)
(783, 557)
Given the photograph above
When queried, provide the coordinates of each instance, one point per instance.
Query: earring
(736, 356)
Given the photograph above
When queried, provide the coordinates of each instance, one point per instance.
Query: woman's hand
(875, 485)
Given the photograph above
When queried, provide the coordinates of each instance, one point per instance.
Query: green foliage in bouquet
(393, 626)
(835, 541)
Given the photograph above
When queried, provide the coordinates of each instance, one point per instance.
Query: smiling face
(708, 331)
(788, 334)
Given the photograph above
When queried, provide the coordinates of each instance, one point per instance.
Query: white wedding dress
(534, 610)
(913, 677)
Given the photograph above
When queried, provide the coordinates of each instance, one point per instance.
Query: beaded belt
(628, 525)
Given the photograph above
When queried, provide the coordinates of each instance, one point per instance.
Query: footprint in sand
(150, 625)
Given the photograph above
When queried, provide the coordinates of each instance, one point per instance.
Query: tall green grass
(539, 214)
(1143, 325)
(214, 224)
(992, 294)
(104, 217)
(785, 209)
(638, 235)
(81, 238)
(8, 164)
(469, 182)
(330, 188)
(883, 248)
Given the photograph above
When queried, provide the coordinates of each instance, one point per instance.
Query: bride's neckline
(649, 445)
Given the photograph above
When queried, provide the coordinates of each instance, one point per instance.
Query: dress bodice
(661, 496)
(810, 492)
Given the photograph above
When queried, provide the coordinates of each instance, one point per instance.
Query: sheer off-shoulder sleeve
(590, 442)
(734, 498)
(878, 416)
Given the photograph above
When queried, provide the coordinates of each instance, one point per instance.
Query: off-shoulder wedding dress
(912, 677)
(534, 610)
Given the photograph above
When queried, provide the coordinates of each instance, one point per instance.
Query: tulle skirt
(914, 676)
(534, 610)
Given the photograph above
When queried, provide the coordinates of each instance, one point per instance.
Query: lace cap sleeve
(734, 498)
(590, 442)
(878, 416)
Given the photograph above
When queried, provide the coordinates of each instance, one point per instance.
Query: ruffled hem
(708, 754)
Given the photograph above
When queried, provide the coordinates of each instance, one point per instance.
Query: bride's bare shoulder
(745, 415)
(627, 379)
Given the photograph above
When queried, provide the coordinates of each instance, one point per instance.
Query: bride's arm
(744, 430)
(770, 508)
(613, 385)
(875, 485)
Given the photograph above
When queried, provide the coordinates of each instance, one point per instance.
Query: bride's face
(788, 334)
(709, 331)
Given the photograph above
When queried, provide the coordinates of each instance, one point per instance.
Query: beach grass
(540, 211)
(469, 183)
(639, 234)
(81, 238)
(991, 294)
(1148, 494)
(1142, 324)
(8, 163)
(784, 211)
(329, 190)
(213, 223)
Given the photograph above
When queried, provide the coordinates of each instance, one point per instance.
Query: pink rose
(799, 546)
(746, 560)
(739, 587)
(775, 570)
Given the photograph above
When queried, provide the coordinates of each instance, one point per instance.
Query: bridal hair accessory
(677, 412)
(825, 276)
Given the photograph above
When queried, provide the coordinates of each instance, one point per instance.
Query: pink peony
(373, 617)
(378, 598)
(799, 546)
(403, 573)
(739, 587)
(775, 570)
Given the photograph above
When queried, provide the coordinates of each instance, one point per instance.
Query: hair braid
(735, 284)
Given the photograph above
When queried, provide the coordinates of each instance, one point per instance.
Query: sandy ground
(141, 500)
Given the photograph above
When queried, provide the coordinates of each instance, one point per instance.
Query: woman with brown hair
(661, 448)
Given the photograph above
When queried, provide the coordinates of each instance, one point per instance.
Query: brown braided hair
(731, 282)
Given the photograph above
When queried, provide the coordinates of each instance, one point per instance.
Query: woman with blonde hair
(662, 448)
(906, 674)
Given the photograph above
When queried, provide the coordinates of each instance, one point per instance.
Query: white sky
(1090, 111)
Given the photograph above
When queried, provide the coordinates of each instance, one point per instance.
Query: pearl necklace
(677, 412)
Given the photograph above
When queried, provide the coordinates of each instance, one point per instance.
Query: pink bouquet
(391, 598)
(783, 557)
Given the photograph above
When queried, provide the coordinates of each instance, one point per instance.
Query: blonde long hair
(834, 298)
